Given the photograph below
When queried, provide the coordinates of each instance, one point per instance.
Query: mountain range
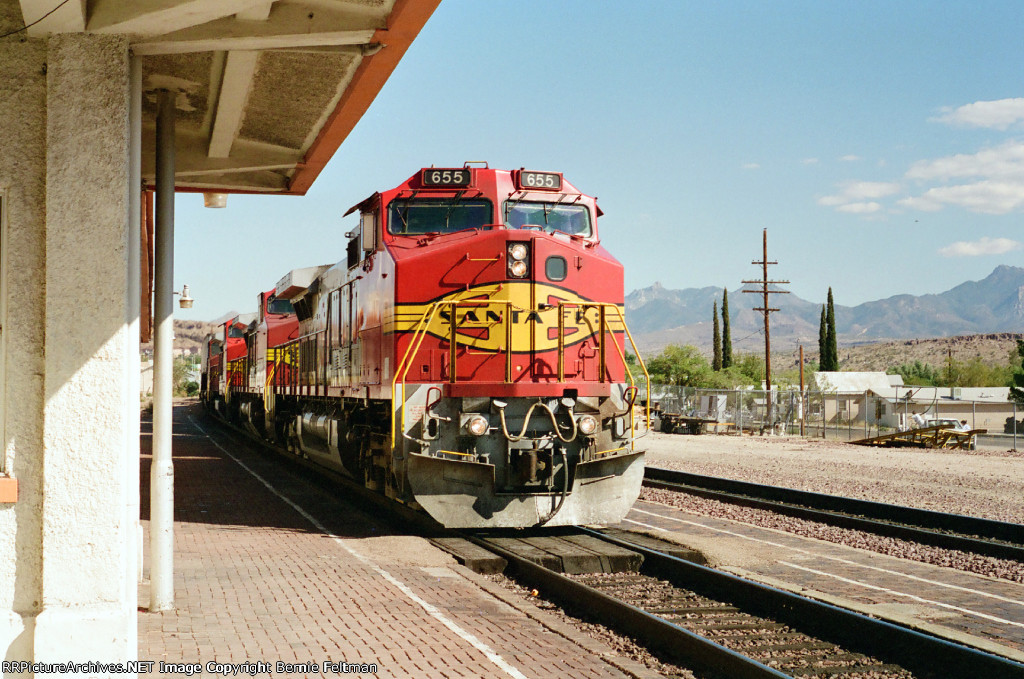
(658, 316)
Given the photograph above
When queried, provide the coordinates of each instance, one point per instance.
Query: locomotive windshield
(280, 306)
(571, 219)
(437, 215)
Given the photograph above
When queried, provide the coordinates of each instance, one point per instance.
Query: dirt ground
(987, 482)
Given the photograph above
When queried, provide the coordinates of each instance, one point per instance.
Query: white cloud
(871, 189)
(1006, 160)
(750, 166)
(1000, 114)
(988, 181)
(989, 197)
(982, 246)
(856, 197)
(995, 180)
(859, 208)
(850, 159)
(809, 161)
(922, 203)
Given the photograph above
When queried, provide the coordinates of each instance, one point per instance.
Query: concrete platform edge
(882, 613)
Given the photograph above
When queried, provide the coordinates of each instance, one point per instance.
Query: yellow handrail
(419, 332)
(602, 331)
(622, 356)
(273, 370)
(269, 394)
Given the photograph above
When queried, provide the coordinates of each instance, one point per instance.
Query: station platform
(278, 576)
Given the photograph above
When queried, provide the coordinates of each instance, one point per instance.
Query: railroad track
(725, 626)
(710, 621)
(950, 531)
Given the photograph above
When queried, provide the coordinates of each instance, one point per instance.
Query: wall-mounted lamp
(185, 301)
(215, 200)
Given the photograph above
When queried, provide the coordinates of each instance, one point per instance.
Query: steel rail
(916, 651)
(966, 533)
(676, 642)
(944, 659)
(692, 650)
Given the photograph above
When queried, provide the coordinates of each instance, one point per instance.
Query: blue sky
(880, 143)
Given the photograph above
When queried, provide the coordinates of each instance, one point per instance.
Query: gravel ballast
(984, 483)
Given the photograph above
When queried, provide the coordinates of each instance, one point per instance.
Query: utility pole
(764, 290)
(802, 416)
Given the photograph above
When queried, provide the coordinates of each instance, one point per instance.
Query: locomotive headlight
(587, 424)
(477, 425)
(517, 269)
(517, 255)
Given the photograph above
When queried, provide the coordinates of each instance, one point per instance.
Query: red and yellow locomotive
(221, 356)
(467, 357)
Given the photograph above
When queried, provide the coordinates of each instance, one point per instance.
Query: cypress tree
(1017, 379)
(716, 342)
(822, 344)
(726, 335)
(830, 334)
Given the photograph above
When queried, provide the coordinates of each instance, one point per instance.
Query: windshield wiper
(510, 206)
(455, 201)
(403, 213)
(547, 207)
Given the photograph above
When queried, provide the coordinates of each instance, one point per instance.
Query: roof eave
(405, 22)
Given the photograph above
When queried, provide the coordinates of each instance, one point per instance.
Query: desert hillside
(188, 336)
(992, 348)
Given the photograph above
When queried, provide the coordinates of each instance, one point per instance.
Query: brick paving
(953, 603)
(258, 581)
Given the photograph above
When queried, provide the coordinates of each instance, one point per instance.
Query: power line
(28, 26)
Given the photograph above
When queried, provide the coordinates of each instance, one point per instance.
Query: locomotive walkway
(272, 569)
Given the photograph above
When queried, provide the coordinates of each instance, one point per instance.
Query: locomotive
(466, 358)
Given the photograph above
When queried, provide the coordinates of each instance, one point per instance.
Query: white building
(886, 401)
(982, 407)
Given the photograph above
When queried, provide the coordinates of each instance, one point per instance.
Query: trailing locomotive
(467, 357)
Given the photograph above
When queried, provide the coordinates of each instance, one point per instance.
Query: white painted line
(429, 608)
(903, 594)
(837, 559)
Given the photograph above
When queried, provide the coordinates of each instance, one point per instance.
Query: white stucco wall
(68, 546)
(23, 176)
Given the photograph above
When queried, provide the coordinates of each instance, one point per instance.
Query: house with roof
(850, 397)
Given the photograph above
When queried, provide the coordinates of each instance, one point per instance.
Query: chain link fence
(845, 416)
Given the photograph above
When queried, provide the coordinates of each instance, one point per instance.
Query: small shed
(847, 393)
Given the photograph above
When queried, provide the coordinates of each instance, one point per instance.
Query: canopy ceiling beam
(239, 70)
(257, 13)
(146, 18)
(192, 155)
(68, 18)
(233, 25)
